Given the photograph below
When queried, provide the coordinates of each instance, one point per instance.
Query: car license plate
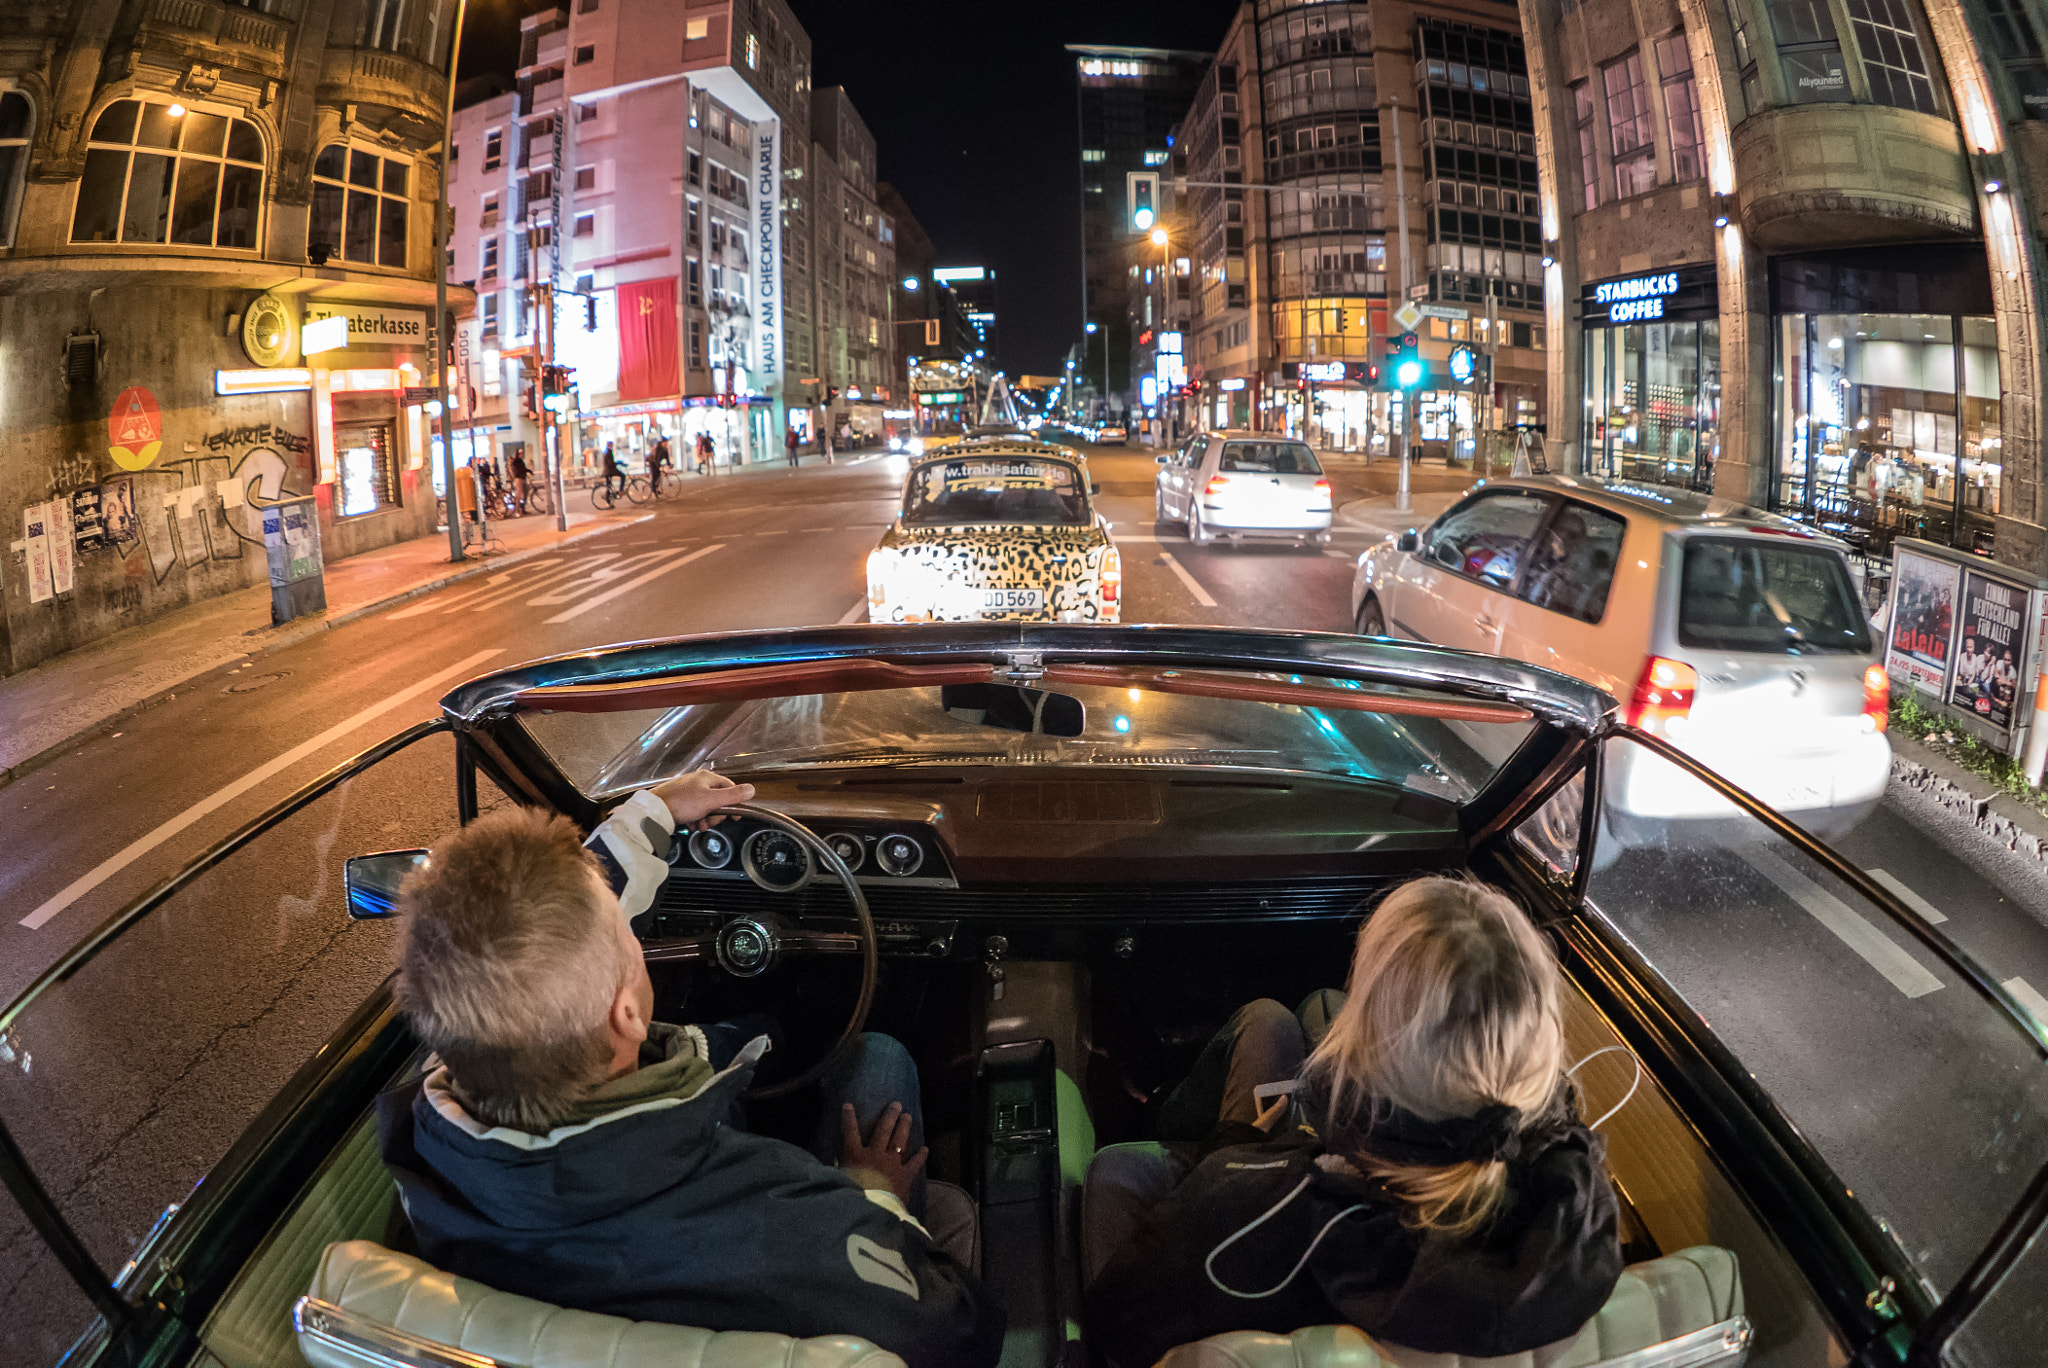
(1012, 600)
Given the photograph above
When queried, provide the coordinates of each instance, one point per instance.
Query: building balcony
(368, 76)
(1837, 175)
(215, 34)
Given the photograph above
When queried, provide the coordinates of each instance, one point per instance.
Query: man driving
(566, 1146)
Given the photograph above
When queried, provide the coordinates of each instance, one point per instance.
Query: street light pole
(442, 350)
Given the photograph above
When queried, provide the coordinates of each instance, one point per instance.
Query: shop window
(1589, 157)
(191, 179)
(1653, 402)
(1810, 50)
(1631, 141)
(16, 126)
(366, 478)
(1889, 43)
(361, 205)
(1682, 110)
(1572, 566)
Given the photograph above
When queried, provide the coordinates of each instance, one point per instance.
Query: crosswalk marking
(1903, 971)
(568, 590)
(441, 603)
(636, 582)
(1907, 896)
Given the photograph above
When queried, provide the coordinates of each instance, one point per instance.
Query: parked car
(1112, 434)
(1731, 632)
(1243, 486)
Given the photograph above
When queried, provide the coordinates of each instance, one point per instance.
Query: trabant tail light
(1112, 577)
(1323, 488)
(1663, 694)
(1216, 483)
(1877, 697)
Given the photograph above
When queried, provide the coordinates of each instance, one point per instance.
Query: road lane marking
(1907, 895)
(1193, 585)
(657, 572)
(114, 864)
(857, 613)
(1338, 555)
(554, 579)
(433, 603)
(778, 532)
(1138, 537)
(2026, 995)
(570, 588)
(1904, 972)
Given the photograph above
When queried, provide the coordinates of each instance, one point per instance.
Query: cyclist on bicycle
(657, 461)
(614, 473)
(519, 479)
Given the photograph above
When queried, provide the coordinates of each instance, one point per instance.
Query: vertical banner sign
(36, 527)
(135, 429)
(768, 253)
(461, 394)
(1987, 673)
(1923, 619)
(62, 553)
(647, 339)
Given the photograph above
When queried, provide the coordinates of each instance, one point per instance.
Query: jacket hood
(576, 1173)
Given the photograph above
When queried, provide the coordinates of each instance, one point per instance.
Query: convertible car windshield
(607, 754)
(1038, 493)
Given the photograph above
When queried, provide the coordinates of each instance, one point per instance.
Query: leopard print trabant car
(996, 572)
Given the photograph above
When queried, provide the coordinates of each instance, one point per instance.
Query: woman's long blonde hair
(1452, 1008)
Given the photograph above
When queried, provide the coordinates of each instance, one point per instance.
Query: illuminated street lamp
(1158, 237)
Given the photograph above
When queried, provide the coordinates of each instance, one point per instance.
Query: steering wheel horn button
(746, 947)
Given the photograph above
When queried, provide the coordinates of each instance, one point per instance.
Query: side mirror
(1411, 540)
(1014, 708)
(373, 881)
(1095, 488)
(1160, 459)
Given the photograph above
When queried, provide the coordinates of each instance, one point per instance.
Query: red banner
(647, 339)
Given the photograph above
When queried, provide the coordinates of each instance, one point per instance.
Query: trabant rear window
(1762, 594)
(996, 489)
(1268, 458)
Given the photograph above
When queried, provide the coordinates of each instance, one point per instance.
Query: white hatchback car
(1734, 634)
(1241, 485)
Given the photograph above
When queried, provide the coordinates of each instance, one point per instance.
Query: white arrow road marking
(657, 572)
(1194, 585)
(113, 865)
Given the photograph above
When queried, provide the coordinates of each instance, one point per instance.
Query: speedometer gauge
(776, 860)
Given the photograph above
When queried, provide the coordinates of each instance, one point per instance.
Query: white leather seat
(372, 1308)
(1683, 1309)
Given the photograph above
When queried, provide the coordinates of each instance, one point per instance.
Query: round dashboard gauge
(899, 855)
(847, 847)
(711, 849)
(776, 860)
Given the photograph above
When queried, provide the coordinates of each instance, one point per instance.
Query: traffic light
(831, 393)
(590, 313)
(1409, 368)
(554, 387)
(1143, 188)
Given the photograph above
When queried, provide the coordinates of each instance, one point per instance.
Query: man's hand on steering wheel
(692, 797)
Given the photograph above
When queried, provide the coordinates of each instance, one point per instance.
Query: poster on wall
(35, 521)
(62, 553)
(1987, 673)
(1923, 617)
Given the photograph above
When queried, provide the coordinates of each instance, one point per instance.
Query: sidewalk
(61, 701)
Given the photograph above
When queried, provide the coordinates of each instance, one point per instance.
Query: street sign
(1407, 316)
(418, 394)
(1442, 311)
(1418, 291)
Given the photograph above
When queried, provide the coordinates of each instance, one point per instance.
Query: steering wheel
(750, 945)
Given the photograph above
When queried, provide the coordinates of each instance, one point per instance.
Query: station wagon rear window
(1753, 594)
(1268, 458)
(996, 490)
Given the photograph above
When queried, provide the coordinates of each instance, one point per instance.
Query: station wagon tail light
(1112, 577)
(1877, 698)
(1323, 490)
(1663, 694)
(1216, 483)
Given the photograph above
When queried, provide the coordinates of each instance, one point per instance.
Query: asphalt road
(131, 1078)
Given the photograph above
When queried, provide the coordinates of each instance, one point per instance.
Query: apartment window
(150, 176)
(586, 54)
(383, 24)
(1093, 154)
(490, 266)
(696, 221)
(586, 6)
(1889, 43)
(586, 178)
(586, 225)
(696, 344)
(693, 281)
(16, 123)
(1589, 158)
(1682, 109)
(490, 315)
(696, 30)
(1810, 50)
(1629, 125)
(586, 113)
(543, 237)
(490, 206)
(494, 150)
(696, 168)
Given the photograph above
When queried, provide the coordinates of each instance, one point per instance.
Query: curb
(292, 634)
(2004, 840)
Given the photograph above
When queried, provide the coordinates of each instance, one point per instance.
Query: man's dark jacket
(662, 1212)
(1541, 1269)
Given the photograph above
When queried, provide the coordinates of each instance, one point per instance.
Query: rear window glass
(1268, 458)
(1750, 594)
(996, 490)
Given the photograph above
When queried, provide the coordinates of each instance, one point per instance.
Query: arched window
(16, 125)
(163, 173)
(361, 205)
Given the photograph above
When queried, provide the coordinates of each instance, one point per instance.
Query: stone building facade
(853, 255)
(1798, 256)
(184, 185)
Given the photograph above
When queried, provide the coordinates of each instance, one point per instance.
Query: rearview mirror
(373, 881)
(1014, 708)
(1411, 540)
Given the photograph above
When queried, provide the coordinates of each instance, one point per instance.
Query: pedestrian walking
(705, 453)
(790, 442)
(519, 478)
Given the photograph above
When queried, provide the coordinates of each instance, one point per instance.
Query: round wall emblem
(270, 332)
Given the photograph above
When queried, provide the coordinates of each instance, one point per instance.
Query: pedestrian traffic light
(1143, 188)
(1409, 370)
(590, 313)
(831, 393)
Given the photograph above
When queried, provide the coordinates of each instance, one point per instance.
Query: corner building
(1797, 256)
(183, 187)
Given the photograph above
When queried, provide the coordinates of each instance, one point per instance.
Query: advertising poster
(1988, 648)
(61, 550)
(36, 528)
(1923, 617)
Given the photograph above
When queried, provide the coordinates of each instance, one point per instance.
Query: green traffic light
(1408, 374)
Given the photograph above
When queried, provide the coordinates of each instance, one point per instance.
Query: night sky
(972, 108)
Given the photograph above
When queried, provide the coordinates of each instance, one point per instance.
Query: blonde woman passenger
(1427, 1179)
